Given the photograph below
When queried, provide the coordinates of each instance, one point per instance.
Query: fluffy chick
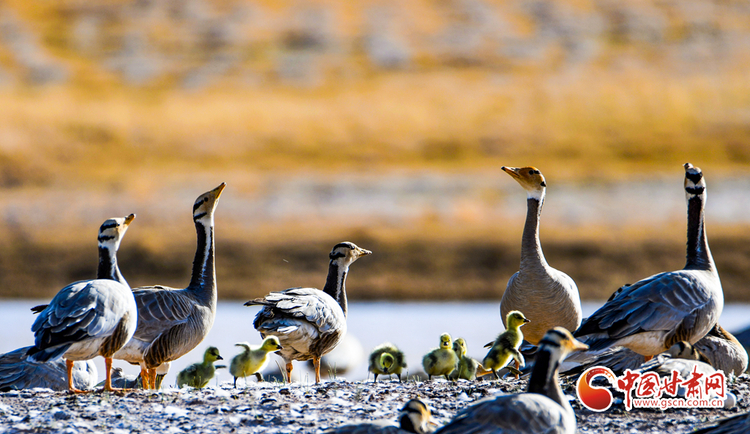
(253, 359)
(387, 359)
(441, 360)
(506, 345)
(468, 367)
(199, 374)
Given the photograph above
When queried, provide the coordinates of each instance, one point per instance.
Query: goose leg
(108, 381)
(144, 378)
(152, 378)
(71, 387)
(316, 363)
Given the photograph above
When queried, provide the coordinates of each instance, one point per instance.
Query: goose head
(695, 185)
(112, 231)
(415, 416)
(345, 253)
(205, 204)
(530, 178)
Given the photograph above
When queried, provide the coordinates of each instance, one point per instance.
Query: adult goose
(309, 322)
(171, 322)
(90, 317)
(547, 297)
(18, 372)
(655, 313)
(542, 409)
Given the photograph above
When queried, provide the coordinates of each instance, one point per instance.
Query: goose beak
(363, 252)
(578, 345)
(129, 219)
(217, 191)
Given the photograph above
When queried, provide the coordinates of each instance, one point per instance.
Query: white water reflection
(413, 326)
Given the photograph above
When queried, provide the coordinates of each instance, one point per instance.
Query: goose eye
(531, 172)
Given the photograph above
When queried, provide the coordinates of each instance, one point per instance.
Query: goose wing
(668, 302)
(81, 310)
(159, 309)
(521, 413)
(17, 372)
(286, 311)
(367, 428)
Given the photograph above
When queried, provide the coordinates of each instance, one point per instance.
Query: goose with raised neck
(546, 296)
(655, 313)
(171, 322)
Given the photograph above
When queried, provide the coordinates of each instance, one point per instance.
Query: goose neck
(336, 284)
(545, 379)
(698, 253)
(531, 248)
(108, 268)
(203, 280)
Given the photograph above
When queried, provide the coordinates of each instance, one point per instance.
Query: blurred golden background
(380, 122)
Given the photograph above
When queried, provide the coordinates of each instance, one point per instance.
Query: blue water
(414, 327)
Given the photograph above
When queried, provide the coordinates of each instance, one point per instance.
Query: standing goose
(542, 409)
(653, 314)
(171, 322)
(89, 317)
(548, 297)
(309, 322)
(18, 372)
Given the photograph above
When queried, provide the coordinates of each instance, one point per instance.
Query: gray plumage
(171, 322)
(89, 318)
(547, 296)
(654, 313)
(309, 322)
(737, 424)
(723, 351)
(18, 372)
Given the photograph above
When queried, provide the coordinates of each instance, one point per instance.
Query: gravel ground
(303, 408)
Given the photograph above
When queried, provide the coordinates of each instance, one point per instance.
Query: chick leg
(289, 372)
(259, 376)
(375, 378)
(235, 382)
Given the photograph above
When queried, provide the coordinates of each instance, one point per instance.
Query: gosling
(441, 360)
(506, 345)
(199, 374)
(253, 359)
(468, 367)
(387, 359)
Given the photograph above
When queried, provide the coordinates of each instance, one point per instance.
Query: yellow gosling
(253, 359)
(387, 359)
(199, 374)
(506, 345)
(441, 360)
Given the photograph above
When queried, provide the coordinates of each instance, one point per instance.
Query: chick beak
(219, 358)
(279, 347)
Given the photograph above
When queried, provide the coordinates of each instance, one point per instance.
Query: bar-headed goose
(548, 297)
(307, 321)
(653, 314)
(171, 322)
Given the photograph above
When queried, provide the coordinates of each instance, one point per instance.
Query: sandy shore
(303, 408)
